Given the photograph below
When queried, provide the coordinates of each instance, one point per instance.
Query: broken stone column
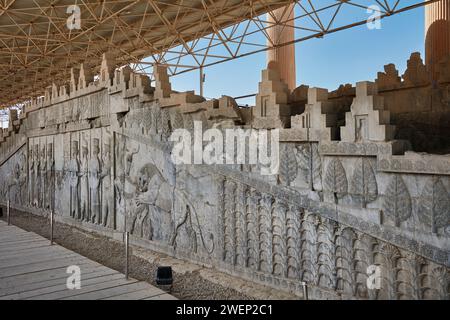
(367, 120)
(272, 109)
(279, 34)
(437, 33)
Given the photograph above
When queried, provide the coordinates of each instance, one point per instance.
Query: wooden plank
(32, 252)
(165, 296)
(14, 236)
(87, 286)
(59, 279)
(138, 295)
(30, 268)
(6, 244)
(25, 260)
(64, 262)
(109, 292)
(43, 275)
(51, 292)
(26, 246)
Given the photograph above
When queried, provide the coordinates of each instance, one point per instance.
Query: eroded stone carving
(364, 183)
(73, 169)
(336, 179)
(435, 205)
(397, 201)
(279, 233)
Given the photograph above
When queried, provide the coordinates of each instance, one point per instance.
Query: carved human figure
(74, 179)
(31, 175)
(94, 183)
(147, 191)
(186, 220)
(37, 181)
(42, 176)
(22, 178)
(50, 177)
(106, 187)
(15, 183)
(119, 180)
(84, 184)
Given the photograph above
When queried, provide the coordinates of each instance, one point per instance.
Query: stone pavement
(32, 269)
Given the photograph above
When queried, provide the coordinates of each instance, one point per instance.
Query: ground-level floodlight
(164, 277)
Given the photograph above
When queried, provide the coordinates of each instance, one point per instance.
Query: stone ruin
(351, 191)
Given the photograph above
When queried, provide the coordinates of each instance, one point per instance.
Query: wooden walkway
(32, 269)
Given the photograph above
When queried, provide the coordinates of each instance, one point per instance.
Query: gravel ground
(196, 283)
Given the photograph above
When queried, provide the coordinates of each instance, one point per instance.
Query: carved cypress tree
(397, 202)
(364, 184)
(435, 205)
(335, 179)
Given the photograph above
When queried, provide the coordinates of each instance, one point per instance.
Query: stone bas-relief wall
(346, 196)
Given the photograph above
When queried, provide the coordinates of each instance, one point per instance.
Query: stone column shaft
(437, 33)
(284, 56)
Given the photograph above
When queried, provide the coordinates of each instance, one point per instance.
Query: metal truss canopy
(38, 48)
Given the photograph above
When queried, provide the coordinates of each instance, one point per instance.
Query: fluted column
(284, 56)
(437, 33)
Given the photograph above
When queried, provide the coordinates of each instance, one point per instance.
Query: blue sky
(347, 56)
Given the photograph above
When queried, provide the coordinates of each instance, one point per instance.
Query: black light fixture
(164, 277)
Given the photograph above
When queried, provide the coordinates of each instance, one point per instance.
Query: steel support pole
(51, 226)
(8, 209)
(202, 81)
(305, 291)
(127, 239)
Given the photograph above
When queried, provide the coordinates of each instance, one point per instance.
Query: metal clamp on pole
(126, 239)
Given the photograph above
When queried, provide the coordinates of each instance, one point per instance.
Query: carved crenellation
(319, 122)
(272, 108)
(368, 120)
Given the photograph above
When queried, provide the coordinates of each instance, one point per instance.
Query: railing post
(51, 227)
(305, 291)
(127, 239)
(8, 209)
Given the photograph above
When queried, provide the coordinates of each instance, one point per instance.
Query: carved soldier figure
(22, 178)
(16, 182)
(106, 186)
(94, 183)
(50, 178)
(42, 175)
(31, 175)
(36, 176)
(119, 180)
(84, 184)
(74, 177)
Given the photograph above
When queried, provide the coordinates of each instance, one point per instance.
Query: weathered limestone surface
(100, 155)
